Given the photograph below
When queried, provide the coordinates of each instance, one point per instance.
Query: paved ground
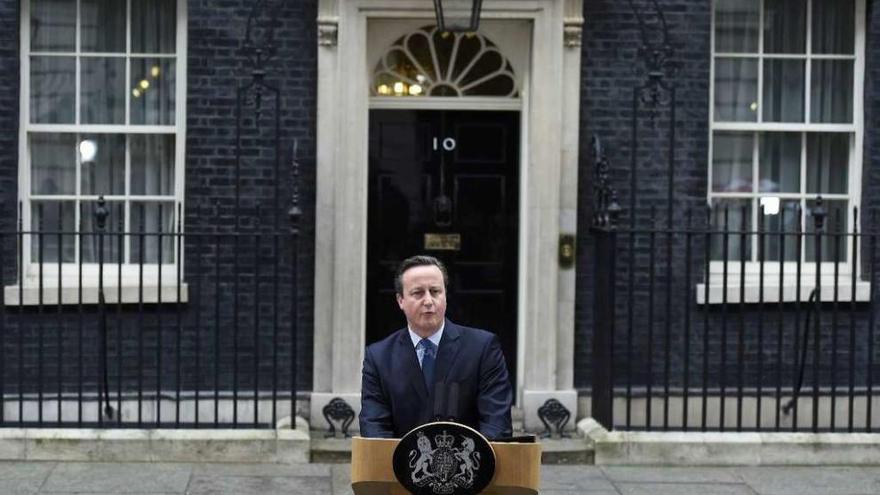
(101, 478)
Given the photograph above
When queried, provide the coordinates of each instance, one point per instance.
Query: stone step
(566, 451)
(330, 450)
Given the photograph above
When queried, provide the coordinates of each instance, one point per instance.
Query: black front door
(446, 183)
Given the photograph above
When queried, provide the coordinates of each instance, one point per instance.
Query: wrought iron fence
(149, 326)
(715, 322)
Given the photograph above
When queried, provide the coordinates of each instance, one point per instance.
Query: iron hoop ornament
(444, 458)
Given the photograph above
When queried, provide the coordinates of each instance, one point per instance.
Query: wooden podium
(517, 468)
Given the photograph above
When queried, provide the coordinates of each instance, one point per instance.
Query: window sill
(129, 294)
(752, 293)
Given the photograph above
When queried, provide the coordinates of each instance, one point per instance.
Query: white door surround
(549, 79)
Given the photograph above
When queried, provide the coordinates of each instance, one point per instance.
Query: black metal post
(604, 229)
(294, 214)
(59, 320)
(603, 327)
(104, 407)
(40, 338)
(819, 215)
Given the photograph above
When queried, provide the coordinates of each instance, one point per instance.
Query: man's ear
(399, 300)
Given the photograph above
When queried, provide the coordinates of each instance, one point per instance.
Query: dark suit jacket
(394, 398)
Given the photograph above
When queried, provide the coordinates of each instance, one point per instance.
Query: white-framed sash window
(786, 127)
(102, 115)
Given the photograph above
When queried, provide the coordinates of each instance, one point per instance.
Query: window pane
(53, 25)
(52, 90)
(152, 219)
(53, 163)
(835, 221)
(420, 47)
(54, 217)
(103, 26)
(834, 26)
(785, 26)
(153, 26)
(152, 93)
(827, 163)
(780, 162)
(736, 26)
(468, 48)
(777, 223)
(104, 172)
(783, 90)
(500, 85)
(103, 90)
(91, 241)
(736, 90)
(732, 161)
(731, 216)
(152, 164)
(488, 63)
(831, 95)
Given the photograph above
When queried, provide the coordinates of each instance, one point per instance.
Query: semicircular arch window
(427, 62)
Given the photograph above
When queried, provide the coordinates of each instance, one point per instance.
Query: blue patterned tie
(428, 362)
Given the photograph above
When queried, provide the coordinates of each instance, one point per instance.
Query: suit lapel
(406, 364)
(448, 351)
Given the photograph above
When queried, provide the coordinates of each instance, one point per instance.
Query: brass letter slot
(442, 242)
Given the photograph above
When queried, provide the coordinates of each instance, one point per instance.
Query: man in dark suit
(407, 374)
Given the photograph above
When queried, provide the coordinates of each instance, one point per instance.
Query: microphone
(452, 402)
(439, 400)
(446, 401)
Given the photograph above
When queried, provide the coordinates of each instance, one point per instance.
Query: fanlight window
(428, 62)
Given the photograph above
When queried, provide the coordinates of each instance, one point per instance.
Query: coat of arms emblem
(444, 459)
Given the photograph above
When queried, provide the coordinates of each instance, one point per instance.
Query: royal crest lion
(469, 461)
(420, 461)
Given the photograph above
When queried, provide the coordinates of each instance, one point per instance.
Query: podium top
(517, 468)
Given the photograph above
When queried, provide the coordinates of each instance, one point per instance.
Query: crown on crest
(444, 439)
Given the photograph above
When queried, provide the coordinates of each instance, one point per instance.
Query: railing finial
(101, 213)
(819, 214)
(606, 209)
(295, 212)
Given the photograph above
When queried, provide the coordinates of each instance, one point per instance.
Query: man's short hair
(413, 261)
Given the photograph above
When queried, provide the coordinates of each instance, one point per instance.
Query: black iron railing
(713, 324)
(148, 327)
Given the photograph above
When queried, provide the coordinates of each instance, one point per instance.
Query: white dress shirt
(435, 339)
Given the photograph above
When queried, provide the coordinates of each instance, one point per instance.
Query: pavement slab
(684, 489)
(84, 477)
(579, 492)
(341, 479)
(582, 479)
(641, 474)
(19, 478)
(264, 485)
(270, 470)
(836, 480)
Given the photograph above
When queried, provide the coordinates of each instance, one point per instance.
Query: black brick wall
(9, 80)
(216, 67)
(611, 40)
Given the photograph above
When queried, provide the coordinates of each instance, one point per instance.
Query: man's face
(424, 299)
